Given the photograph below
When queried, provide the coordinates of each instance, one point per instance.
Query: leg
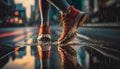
(71, 19)
(44, 11)
(44, 29)
(44, 34)
(44, 56)
(61, 5)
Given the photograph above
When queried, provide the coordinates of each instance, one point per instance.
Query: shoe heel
(83, 20)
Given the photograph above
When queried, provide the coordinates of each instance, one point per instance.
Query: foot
(71, 21)
(44, 34)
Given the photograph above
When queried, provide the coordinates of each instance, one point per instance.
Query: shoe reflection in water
(69, 58)
(44, 55)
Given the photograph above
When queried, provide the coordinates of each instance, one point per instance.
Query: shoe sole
(79, 21)
(44, 40)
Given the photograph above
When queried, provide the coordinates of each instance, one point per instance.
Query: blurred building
(7, 8)
(12, 14)
(32, 19)
(102, 11)
(35, 14)
(20, 13)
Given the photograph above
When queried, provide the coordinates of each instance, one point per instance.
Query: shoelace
(62, 17)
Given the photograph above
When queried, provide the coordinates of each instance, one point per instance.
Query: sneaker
(44, 34)
(71, 21)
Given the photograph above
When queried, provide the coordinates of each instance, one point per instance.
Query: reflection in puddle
(28, 57)
(83, 57)
(21, 59)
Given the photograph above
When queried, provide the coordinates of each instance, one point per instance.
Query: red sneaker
(44, 34)
(71, 21)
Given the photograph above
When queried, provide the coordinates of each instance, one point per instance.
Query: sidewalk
(103, 25)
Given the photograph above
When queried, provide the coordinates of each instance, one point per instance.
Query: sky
(27, 4)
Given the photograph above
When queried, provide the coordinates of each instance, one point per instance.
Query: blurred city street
(96, 46)
(99, 47)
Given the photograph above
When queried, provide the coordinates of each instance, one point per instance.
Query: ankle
(44, 29)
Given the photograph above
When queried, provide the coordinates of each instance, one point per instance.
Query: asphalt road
(96, 48)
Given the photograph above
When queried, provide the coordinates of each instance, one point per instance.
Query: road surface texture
(93, 48)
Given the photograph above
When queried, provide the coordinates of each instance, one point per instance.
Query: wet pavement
(94, 48)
